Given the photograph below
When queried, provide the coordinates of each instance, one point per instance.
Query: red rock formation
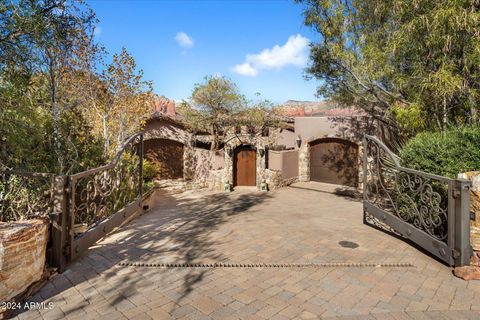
(164, 106)
(294, 108)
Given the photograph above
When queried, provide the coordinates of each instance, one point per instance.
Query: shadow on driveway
(176, 228)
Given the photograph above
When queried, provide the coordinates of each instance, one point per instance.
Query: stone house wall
(282, 168)
(203, 163)
(258, 142)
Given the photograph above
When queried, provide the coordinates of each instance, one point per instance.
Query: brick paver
(299, 224)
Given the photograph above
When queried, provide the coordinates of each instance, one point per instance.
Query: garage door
(334, 161)
(168, 154)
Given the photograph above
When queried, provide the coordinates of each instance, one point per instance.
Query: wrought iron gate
(432, 211)
(82, 207)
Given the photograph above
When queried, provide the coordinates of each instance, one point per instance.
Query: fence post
(462, 249)
(59, 222)
(140, 169)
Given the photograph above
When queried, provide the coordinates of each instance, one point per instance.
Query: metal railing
(82, 207)
(430, 210)
(99, 194)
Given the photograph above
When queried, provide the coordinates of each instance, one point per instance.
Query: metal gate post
(59, 223)
(365, 177)
(140, 169)
(463, 250)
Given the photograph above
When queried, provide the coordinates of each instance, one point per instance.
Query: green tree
(212, 107)
(37, 40)
(129, 100)
(59, 101)
(412, 64)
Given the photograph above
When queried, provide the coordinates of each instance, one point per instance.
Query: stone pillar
(228, 167)
(474, 177)
(260, 165)
(189, 162)
(304, 162)
(360, 167)
(22, 255)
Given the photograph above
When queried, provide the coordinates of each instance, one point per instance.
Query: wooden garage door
(245, 167)
(168, 154)
(334, 161)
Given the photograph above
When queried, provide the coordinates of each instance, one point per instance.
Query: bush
(150, 170)
(455, 151)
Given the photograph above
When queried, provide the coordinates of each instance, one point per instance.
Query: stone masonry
(22, 256)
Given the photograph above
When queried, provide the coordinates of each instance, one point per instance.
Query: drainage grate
(348, 244)
(268, 265)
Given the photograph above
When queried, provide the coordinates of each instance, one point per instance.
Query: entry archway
(334, 160)
(168, 155)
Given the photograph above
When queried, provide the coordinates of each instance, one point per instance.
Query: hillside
(295, 108)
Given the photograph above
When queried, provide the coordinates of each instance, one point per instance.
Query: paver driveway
(298, 224)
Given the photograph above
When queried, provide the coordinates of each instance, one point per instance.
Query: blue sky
(261, 45)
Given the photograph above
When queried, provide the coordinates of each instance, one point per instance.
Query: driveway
(297, 252)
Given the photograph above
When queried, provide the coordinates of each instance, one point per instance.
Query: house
(317, 146)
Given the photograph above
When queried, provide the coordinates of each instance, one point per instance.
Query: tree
(212, 107)
(60, 102)
(410, 64)
(128, 103)
(37, 40)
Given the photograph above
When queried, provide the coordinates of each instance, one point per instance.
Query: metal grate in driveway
(267, 265)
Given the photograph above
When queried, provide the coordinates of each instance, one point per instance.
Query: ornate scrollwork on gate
(101, 192)
(417, 198)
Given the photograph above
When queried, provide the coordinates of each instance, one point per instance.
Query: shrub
(150, 170)
(446, 154)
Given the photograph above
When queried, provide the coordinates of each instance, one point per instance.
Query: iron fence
(82, 207)
(430, 210)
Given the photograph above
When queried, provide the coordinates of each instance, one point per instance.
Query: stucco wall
(166, 129)
(284, 161)
(350, 128)
(286, 138)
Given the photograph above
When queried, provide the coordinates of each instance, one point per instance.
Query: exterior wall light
(227, 187)
(261, 151)
(263, 186)
(299, 141)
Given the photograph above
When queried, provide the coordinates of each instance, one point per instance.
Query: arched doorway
(168, 154)
(245, 166)
(334, 160)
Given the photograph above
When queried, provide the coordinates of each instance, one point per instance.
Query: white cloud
(293, 52)
(184, 40)
(245, 69)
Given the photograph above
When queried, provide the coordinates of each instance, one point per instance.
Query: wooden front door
(245, 167)
(334, 161)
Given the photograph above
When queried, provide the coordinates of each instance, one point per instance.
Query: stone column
(22, 255)
(189, 162)
(474, 176)
(360, 167)
(304, 162)
(228, 168)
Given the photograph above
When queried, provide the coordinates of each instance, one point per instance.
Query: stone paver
(299, 224)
